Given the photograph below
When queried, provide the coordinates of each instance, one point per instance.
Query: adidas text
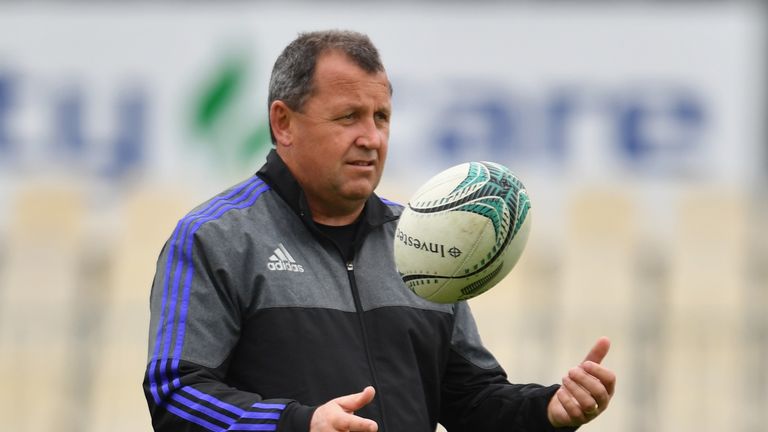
(285, 266)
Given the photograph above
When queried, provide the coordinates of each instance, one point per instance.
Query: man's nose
(370, 134)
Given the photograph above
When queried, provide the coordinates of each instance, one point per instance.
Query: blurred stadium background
(638, 127)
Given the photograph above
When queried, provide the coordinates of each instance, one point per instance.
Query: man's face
(340, 136)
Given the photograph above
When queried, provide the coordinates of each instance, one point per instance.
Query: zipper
(378, 401)
(366, 343)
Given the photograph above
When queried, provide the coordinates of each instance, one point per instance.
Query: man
(277, 305)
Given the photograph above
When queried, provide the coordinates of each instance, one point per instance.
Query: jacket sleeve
(194, 327)
(476, 395)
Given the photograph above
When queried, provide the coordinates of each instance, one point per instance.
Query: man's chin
(360, 193)
(358, 189)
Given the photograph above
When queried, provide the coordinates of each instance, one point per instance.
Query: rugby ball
(462, 232)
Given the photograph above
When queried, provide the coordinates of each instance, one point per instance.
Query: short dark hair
(294, 69)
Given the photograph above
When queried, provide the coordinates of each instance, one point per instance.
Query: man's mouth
(362, 163)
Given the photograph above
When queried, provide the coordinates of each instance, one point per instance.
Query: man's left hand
(586, 390)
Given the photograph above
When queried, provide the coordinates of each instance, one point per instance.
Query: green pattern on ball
(523, 206)
(500, 190)
(475, 174)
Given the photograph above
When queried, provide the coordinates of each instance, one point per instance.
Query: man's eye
(381, 116)
(349, 116)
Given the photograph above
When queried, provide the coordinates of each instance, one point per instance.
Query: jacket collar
(277, 175)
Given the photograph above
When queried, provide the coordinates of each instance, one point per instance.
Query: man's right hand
(339, 414)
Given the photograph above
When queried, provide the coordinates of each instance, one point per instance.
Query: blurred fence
(686, 312)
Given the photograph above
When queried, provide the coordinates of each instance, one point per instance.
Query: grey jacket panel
(466, 339)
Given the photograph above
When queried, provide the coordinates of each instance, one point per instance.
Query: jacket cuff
(296, 418)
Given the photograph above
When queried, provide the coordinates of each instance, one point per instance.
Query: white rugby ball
(462, 232)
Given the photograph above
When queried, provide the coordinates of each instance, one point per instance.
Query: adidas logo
(281, 260)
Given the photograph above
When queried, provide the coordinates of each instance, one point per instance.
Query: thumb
(354, 402)
(599, 350)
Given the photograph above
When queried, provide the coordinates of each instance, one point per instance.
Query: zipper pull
(350, 266)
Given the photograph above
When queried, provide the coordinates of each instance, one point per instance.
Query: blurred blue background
(637, 127)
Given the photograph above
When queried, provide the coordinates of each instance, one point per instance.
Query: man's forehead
(337, 56)
(338, 69)
(379, 85)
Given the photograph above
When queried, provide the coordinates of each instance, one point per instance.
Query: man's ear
(280, 117)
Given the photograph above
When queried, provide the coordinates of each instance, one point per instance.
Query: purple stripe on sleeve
(203, 409)
(262, 415)
(268, 406)
(152, 384)
(160, 322)
(213, 401)
(194, 419)
(253, 427)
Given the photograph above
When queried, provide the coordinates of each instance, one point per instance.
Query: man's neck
(333, 216)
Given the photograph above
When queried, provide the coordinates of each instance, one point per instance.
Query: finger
(603, 374)
(591, 385)
(599, 350)
(355, 401)
(556, 412)
(582, 396)
(353, 423)
(571, 406)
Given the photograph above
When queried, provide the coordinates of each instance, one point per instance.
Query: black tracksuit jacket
(257, 319)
